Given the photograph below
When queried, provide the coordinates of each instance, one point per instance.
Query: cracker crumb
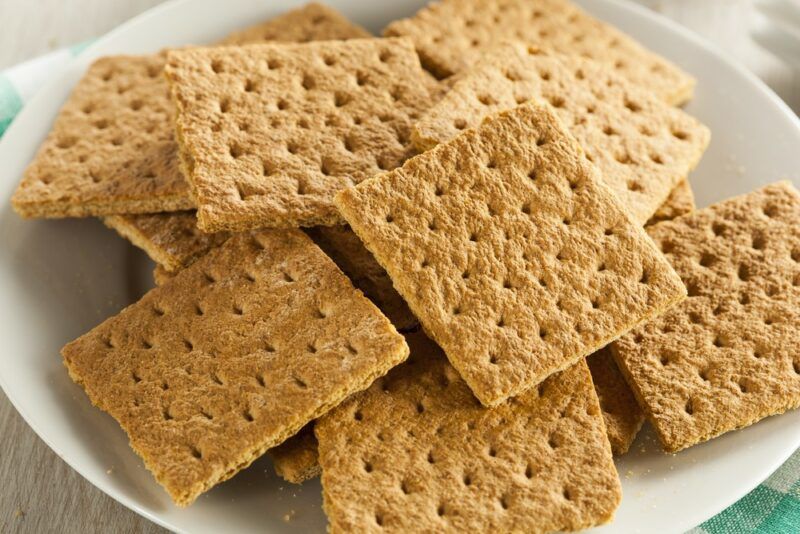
(289, 516)
(19, 513)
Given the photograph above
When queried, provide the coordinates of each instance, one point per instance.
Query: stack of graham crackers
(506, 183)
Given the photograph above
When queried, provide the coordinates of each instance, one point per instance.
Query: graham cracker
(643, 147)
(232, 356)
(450, 35)
(112, 149)
(296, 459)
(269, 133)
(161, 275)
(622, 415)
(511, 251)
(727, 356)
(170, 239)
(417, 453)
(346, 249)
(679, 202)
(312, 22)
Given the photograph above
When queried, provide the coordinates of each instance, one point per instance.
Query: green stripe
(747, 514)
(10, 104)
(80, 47)
(784, 519)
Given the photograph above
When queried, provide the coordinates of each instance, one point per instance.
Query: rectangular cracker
(416, 453)
(622, 415)
(170, 239)
(450, 35)
(346, 249)
(679, 202)
(233, 356)
(511, 251)
(269, 133)
(642, 146)
(727, 356)
(297, 459)
(112, 148)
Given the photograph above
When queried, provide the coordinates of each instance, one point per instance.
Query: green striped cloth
(773, 507)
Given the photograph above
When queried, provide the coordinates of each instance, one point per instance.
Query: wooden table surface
(41, 493)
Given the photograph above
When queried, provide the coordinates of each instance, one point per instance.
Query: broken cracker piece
(233, 356)
(511, 251)
(296, 459)
(417, 452)
(622, 415)
(727, 356)
(269, 133)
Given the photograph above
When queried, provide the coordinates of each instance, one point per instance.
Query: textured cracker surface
(450, 35)
(417, 452)
(296, 459)
(161, 275)
(170, 239)
(346, 249)
(727, 356)
(112, 148)
(621, 412)
(269, 133)
(642, 146)
(232, 356)
(679, 202)
(511, 252)
(312, 22)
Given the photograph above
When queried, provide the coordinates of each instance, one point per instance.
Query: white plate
(60, 278)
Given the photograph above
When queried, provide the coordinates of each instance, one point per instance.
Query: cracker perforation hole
(557, 102)
(247, 416)
(460, 124)
(743, 272)
(195, 452)
(486, 100)
(299, 382)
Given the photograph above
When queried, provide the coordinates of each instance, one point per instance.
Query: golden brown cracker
(417, 452)
(727, 356)
(170, 239)
(232, 356)
(450, 35)
(312, 22)
(297, 459)
(622, 415)
(269, 133)
(346, 249)
(679, 202)
(511, 251)
(642, 146)
(112, 148)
